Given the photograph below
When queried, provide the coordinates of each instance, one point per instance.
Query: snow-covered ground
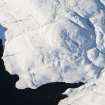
(56, 40)
(90, 94)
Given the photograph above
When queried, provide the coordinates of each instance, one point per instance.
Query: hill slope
(54, 41)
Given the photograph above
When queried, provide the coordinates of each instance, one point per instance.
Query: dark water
(49, 94)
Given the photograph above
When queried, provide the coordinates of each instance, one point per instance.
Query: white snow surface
(56, 40)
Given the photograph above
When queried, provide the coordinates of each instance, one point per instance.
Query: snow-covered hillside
(90, 94)
(56, 40)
